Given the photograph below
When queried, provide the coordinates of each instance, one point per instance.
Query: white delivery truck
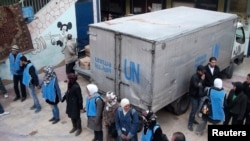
(238, 52)
(150, 58)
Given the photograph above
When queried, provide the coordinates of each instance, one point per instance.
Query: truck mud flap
(179, 106)
(229, 71)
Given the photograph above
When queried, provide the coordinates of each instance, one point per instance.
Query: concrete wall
(48, 31)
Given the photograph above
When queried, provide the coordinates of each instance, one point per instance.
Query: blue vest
(15, 63)
(91, 105)
(49, 90)
(217, 102)
(149, 134)
(26, 75)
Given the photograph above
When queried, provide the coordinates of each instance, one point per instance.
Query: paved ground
(25, 125)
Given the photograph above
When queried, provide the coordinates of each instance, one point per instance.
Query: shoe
(190, 128)
(196, 122)
(4, 113)
(55, 121)
(33, 107)
(78, 132)
(22, 99)
(37, 110)
(6, 95)
(16, 98)
(72, 130)
(52, 119)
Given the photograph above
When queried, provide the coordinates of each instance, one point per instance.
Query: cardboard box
(85, 63)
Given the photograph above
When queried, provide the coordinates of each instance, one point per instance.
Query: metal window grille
(36, 4)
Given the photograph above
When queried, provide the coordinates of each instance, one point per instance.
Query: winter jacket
(74, 100)
(70, 52)
(30, 75)
(209, 77)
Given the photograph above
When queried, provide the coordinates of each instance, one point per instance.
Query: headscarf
(49, 74)
(111, 99)
(72, 79)
(92, 88)
(218, 83)
(124, 102)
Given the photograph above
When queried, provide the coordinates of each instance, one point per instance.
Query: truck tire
(229, 71)
(179, 106)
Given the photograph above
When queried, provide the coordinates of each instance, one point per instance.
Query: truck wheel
(179, 106)
(229, 71)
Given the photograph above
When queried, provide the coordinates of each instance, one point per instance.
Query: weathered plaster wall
(48, 31)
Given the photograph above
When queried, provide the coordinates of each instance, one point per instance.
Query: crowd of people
(121, 120)
(210, 101)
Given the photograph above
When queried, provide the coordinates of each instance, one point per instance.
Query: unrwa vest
(15, 64)
(26, 75)
(217, 101)
(91, 106)
(149, 134)
(49, 91)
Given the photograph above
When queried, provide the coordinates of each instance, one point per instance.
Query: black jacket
(74, 100)
(194, 88)
(209, 78)
(236, 106)
(247, 92)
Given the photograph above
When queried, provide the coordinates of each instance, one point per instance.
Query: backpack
(206, 107)
(164, 136)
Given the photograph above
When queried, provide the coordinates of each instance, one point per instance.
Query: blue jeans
(55, 111)
(33, 94)
(194, 108)
(2, 88)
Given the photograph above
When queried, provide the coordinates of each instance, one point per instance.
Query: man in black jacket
(246, 86)
(212, 72)
(196, 90)
(235, 105)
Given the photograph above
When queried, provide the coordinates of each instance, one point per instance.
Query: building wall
(48, 32)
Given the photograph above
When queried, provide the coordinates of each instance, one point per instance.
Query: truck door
(239, 44)
(134, 78)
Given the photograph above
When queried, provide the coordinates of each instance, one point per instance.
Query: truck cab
(239, 44)
(238, 50)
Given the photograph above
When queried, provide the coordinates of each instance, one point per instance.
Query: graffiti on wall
(13, 30)
(57, 39)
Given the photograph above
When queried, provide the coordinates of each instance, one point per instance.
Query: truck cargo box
(149, 58)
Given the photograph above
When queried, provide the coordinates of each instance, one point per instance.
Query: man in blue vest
(30, 80)
(17, 73)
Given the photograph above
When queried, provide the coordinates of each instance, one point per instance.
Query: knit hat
(218, 83)
(124, 102)
(15, 47)
(92, 88)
